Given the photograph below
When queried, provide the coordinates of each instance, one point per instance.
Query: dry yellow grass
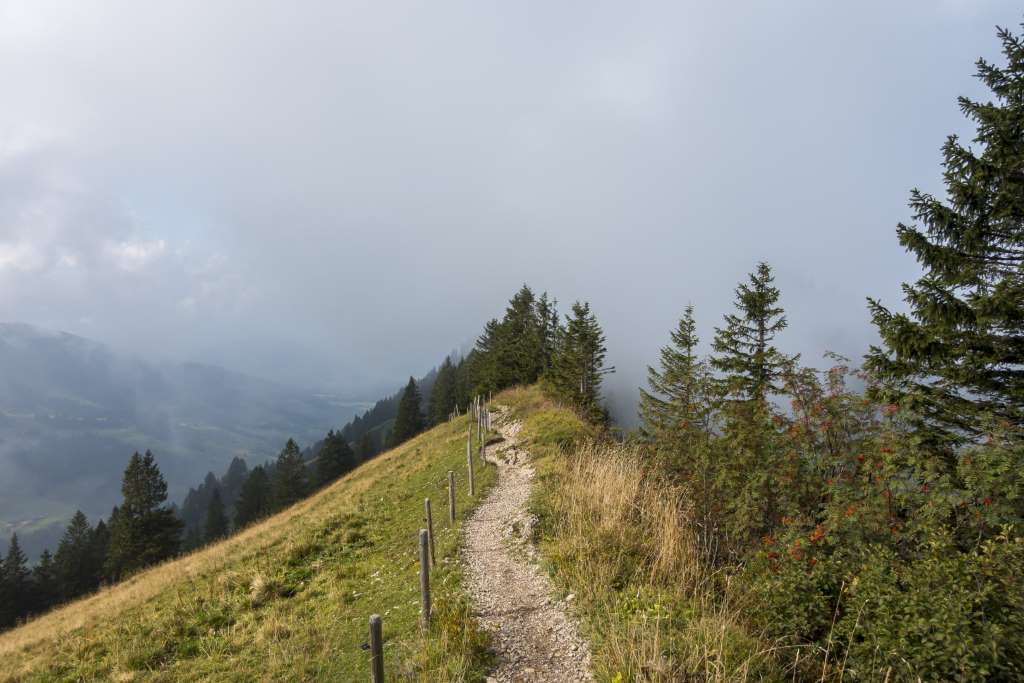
(624, 543)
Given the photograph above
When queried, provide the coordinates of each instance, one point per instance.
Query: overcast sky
(340, 192)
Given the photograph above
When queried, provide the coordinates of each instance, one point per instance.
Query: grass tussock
(287, 599)
(620, 539)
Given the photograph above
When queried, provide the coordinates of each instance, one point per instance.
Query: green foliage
(216, 520)
(409, 421)
(44, 583)
(144, 531)
(752, 366)
(291, 483)
(676, 413)
(255, 500)
(443, 396)
(15, 584)
(334, 459)
(77, 564)
(578, 365)
(957, 357)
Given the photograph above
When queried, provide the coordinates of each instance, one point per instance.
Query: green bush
(946, 614)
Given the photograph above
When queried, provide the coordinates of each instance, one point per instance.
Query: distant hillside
(72, 411)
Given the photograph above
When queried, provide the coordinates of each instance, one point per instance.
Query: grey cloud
(345, 191)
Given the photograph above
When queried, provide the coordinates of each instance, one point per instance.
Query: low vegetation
(619, 538)
(287, 598)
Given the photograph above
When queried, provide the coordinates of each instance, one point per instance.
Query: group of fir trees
(267, 489)
(882, 524)
(141, 531)
(531, 343)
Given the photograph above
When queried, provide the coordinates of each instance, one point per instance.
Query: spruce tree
(366, 448)
(17, 584)
(146, 531)
(442, 396)
(335, 458)
(675, 413)
(74, 563)
(484, 368)
(254, 501)
(579, 367)
(44, 584)
(751, 364)
(547, 331)
(519, 354)
(409, 421)
(111, 571)
(957, 359)
(231, 482)
(216, 520)
(99, 548)
(291, 481)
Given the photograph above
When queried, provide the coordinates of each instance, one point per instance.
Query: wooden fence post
(430, 531)
(451, 498)
(424, 579)
(469, 468)
(376, 649)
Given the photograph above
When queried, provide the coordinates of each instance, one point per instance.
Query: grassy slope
(619, 540)
(287, 599)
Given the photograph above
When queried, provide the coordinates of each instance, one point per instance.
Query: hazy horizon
(338, 196)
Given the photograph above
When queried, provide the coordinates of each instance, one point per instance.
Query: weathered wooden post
(424, 579)
(430, 531)
(451, 498)
(376, 650)
(469, 469)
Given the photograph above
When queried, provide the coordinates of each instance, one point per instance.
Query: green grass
(620, 540)
(287, 599)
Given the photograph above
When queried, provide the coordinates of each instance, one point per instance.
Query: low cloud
(340, 193)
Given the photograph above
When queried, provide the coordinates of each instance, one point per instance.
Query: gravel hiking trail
(532, 636)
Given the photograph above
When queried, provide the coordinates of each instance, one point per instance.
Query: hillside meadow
(288, 598)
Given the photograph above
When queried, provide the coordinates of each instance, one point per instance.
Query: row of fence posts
(478, 408)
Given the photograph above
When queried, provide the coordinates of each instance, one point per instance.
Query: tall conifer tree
(16, 580)
(216, 519)
(751, 364)
(442, 396)
(254, 501)
(958, 357)
(291, 481)
(579, 366)
(675, 412)
(547, 327)
(409, 421)
(75, 564)
(146, 531)
(366, 448)
(44, 584)
(334, 459)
